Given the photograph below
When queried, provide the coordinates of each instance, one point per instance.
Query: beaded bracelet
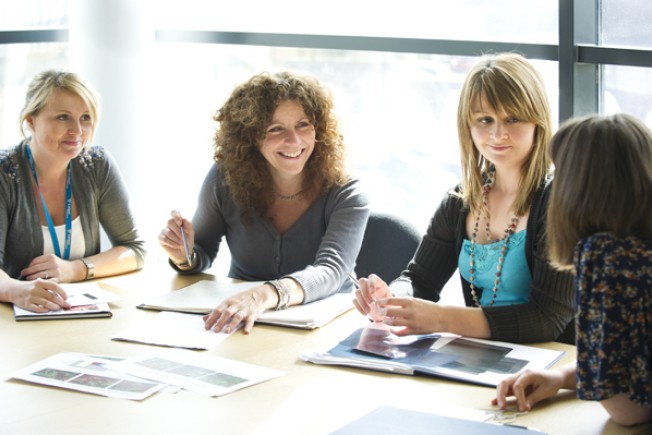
(283, 293)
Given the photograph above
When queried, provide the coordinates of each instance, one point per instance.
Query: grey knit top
(100, 195)
(318, 251)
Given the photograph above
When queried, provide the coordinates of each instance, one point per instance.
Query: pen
(354, 279)
(374, 312)
(185, 245)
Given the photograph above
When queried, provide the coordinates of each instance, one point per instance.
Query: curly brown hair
(243, 120)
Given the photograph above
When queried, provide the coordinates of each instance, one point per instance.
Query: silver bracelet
(283, 293)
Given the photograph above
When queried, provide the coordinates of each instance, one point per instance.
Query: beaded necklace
(511, 227)
(287, 197)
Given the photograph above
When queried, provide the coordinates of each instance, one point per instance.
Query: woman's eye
(275, 129)
(63, 117)
(86, 118)
(513, 120)
(485, 120)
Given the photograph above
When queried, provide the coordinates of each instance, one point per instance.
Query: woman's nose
(75, 128)
(499, 131)
(293, 136)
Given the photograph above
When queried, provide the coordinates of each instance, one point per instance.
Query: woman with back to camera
(280, 194)
(491, 227)
(600, 226)
(55, 192)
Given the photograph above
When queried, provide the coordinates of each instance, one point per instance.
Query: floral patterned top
(614, 318)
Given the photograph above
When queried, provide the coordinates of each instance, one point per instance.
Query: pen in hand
(374, 311)
(185, 245)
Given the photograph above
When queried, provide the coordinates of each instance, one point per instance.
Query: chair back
(388, 245)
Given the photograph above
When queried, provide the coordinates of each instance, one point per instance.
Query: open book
(475, 361)
(202, 296)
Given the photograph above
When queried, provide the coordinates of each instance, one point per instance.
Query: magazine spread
(89, 374)
(213, 376)
(476, 361)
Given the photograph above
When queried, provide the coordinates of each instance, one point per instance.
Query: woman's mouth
(293, 155)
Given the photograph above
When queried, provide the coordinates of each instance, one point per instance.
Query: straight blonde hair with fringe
(510, 84)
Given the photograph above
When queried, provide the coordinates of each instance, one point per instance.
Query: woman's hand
(530, 387)
(50, 266)
(245, 307)
(40, 296)
(371, 290)
(171, 240)
(413, 315)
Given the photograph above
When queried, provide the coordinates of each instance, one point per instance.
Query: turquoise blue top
(514, 286)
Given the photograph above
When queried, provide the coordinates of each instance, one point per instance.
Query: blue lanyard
(53, 233)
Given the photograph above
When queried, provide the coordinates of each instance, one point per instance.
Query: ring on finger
(46, 275)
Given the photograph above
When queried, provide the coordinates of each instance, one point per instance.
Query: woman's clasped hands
(408, 316)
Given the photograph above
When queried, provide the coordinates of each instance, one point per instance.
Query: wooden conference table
(310, 399)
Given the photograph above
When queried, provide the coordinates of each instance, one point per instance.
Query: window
(396, 98)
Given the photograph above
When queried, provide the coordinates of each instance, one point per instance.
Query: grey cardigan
(318, 251)
(99, 192)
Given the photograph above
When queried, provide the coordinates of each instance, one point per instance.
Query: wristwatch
(90, 268)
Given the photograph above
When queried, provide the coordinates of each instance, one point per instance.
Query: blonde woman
(55, 192)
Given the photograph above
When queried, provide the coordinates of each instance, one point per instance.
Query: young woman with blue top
(280, 194)
(55, 192)
(600, 227)
(491, 227)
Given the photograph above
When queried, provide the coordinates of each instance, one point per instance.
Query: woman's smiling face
(289, 140)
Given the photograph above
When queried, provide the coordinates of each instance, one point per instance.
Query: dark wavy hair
(603, 182)
(243, 120)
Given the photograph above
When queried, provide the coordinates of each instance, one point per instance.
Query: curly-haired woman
(280, 194)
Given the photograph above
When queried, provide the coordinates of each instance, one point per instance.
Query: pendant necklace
(511, 228)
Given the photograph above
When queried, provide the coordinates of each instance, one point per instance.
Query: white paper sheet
(203, 374)
(173, 330)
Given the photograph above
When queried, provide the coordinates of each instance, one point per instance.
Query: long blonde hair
(509, 84)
